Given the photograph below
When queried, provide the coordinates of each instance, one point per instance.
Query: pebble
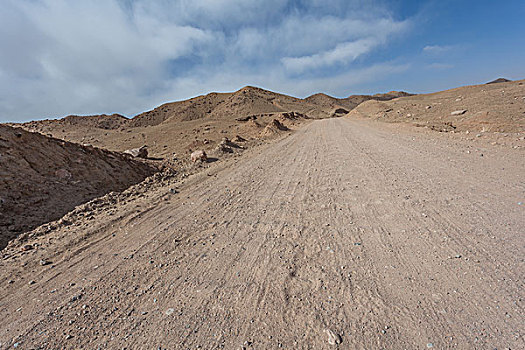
(44, 262)
(32, 282)
(170, 311)
(333, 338)
(430, 345)
(459, 112)
(75, 298)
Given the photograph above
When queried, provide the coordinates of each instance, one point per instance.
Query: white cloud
(298, 36)
(343, 41)
(60, 57)
(437, 49)
(342, 53)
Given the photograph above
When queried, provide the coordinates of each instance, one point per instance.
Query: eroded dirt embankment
(45, 178)
(42, 178)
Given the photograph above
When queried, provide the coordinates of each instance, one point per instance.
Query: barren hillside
(349, 103)
(172, 129)
(498, 107)
(43, 178)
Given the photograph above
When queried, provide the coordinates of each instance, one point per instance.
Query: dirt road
(388, 238)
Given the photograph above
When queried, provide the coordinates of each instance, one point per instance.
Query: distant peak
(499, 80)
(100, 116)
(319, 94)
(249, 88)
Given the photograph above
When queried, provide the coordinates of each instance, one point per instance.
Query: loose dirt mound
(480, 108)
(44, 178)
(273, 128)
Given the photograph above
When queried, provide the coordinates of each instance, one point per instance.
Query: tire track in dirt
(311, 233)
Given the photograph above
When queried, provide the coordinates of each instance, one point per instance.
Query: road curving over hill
(345, 232)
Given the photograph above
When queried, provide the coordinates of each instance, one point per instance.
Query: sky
(62, 57)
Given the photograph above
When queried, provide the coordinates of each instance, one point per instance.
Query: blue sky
(60, 57)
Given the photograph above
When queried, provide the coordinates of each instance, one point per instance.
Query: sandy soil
(374, 236)
(484, 110)
(42, 178)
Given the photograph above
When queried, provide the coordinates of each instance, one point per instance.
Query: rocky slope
(43, 178)
(488, 108)
(350, 102)
(171, 128)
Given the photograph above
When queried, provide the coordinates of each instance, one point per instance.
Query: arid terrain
(391, 221)
(201, 122)
(44, 178)
(482, 109)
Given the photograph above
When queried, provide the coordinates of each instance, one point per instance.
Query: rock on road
(346, 234)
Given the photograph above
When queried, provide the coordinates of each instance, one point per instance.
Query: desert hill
(195, 108)
(352, 101)
(479, 108)
(175, 128)
(44, 178)
(247, 101)
(103, 121)
(499, 80)
(55, 165)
